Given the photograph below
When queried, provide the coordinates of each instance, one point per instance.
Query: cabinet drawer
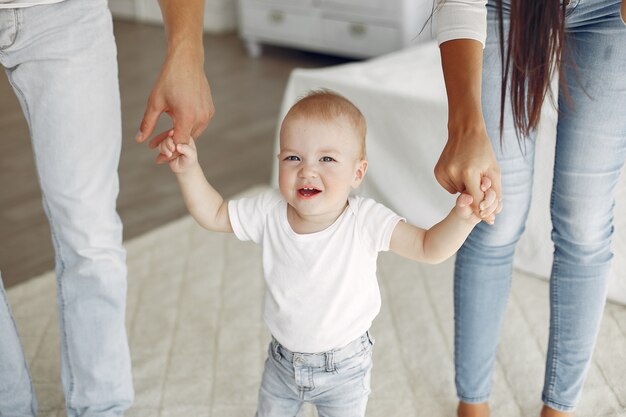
(352, 4)
(360, 39)
(297, 3)
(281, 25)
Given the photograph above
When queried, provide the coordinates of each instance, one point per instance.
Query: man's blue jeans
(590, 153)
(61, 61)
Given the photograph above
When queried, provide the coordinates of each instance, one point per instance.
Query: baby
(320, 246)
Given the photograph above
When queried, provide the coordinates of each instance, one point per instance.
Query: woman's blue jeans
(590, 153)
(61, 61)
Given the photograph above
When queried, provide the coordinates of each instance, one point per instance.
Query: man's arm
(182, 90)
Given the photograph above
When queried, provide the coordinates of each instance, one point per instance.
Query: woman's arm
(468, 155)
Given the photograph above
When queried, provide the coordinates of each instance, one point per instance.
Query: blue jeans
(61, 61)
(590, 153)
(337, 382)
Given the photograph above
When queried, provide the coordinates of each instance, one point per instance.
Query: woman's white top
(461, 19)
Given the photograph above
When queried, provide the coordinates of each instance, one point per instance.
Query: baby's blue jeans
(337, 382)
(590, 152)
(61, 61)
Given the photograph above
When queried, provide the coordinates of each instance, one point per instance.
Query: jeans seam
(457, 329)
(475, 399)
(20, 93)
(63, 336)
(552, 356)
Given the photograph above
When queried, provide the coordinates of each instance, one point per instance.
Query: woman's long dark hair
(533, 52)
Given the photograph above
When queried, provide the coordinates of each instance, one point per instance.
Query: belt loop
(330, 361)
(275, 348)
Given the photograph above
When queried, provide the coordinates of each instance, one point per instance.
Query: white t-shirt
(11, 4)
(461, 19)
(321, 288)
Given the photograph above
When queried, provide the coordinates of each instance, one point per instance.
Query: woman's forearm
(461, 60)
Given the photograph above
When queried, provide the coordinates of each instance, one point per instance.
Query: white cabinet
(355, 28)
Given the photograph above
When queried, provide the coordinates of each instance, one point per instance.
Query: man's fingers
(182, 131)
(156, 141)
(197, 130)
(162, 159)
(146, 127)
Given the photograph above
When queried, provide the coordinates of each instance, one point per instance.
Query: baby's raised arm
(443, 239)
(204, 203)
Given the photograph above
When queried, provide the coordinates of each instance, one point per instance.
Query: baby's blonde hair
(326, 105)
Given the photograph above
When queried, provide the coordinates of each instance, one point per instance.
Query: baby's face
(319, 163)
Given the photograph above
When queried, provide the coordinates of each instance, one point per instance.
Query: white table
(403, 98)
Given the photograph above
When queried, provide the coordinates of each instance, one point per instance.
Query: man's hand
(182, 92)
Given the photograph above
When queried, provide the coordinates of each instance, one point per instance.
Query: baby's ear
(359, 174)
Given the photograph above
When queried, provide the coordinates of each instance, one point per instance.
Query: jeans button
(298, 361)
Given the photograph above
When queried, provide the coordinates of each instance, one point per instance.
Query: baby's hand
(188, 154)
(488, 207)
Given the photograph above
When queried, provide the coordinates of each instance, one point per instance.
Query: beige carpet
(198, 342)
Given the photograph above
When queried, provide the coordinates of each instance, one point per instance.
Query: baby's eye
(326, 159)
(292, 158)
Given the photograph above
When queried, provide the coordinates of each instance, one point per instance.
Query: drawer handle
(276, 16)
(357, 29)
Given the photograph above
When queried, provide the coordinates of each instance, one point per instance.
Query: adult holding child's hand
(182, 90)
(468, 154)
(492, 133)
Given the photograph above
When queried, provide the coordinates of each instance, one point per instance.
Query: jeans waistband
(324, 359)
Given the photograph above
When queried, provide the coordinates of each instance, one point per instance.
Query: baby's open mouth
(308, 192)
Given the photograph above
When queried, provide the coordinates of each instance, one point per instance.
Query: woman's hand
(468, 155)
(462, 165)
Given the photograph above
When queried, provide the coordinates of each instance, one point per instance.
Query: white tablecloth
(402, 96)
